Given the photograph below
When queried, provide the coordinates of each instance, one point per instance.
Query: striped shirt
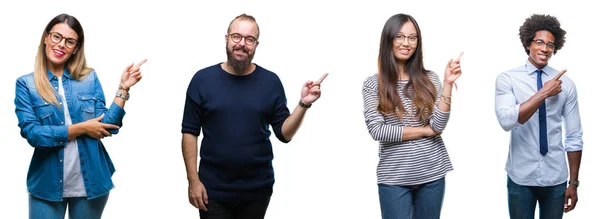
(409, 162)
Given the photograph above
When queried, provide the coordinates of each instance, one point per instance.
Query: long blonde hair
(76, 64)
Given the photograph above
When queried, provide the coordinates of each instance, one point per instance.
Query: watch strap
(575, 182)
(304, 105)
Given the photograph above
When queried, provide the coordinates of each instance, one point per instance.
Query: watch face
(121, 95)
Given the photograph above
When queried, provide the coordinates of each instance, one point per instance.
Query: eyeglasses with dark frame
(540, 43)
(57, 38)
(236, 37)
(411, 39)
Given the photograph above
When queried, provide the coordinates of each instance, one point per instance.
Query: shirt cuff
(62, 134)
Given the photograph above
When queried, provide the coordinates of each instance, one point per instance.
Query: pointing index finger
(141, 63)
(322, 78)
(459, 57)
(560, 74)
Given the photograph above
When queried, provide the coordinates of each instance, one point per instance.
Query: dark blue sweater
(234, 114)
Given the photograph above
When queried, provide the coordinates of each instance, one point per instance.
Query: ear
(256, 45)
(225, 38)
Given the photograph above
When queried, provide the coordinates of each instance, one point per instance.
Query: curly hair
(539, 22)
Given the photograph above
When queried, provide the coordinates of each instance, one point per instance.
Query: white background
(328, 170)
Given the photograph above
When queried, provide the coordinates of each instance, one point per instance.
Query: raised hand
(98, 130)
(553, 86)
(453, 70)
(132, 74)
(311, 90)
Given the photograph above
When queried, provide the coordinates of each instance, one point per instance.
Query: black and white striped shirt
(409, 162)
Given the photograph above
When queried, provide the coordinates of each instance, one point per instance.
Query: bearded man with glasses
(233, 103)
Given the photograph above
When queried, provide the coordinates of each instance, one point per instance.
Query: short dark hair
(245, 17)
(539, 22)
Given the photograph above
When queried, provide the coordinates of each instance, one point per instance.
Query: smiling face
(61, 43)
(241, 53)
(539, 51)
(405, 42)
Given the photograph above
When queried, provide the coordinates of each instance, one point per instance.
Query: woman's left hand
(132, 75)
(453, 70)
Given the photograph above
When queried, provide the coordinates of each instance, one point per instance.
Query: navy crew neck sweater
(234, 113)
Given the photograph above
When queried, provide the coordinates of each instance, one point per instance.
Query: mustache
(243, 48)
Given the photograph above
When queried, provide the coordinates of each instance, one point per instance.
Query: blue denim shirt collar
(51, 75)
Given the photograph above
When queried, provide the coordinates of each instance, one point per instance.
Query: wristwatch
(576, 183)
(120, 94)
(304, 105)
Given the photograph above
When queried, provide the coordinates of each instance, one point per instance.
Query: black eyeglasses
(411, 39)
(540, 44)
(236, 37)
(57, 38)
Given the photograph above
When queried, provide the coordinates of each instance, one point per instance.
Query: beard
(239, 65)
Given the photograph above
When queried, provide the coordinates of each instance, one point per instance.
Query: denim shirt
(43, 125)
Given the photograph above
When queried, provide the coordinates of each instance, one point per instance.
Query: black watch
(576, 183)
(304, 105)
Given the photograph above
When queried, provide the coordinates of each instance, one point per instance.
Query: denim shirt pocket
(44, 112)
(87, 103)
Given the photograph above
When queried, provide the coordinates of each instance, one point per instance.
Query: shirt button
(55, 87)
(86, 179)
(60, 160)
(62, 122)
(60, 142)
(60, 180)
(82, 162)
